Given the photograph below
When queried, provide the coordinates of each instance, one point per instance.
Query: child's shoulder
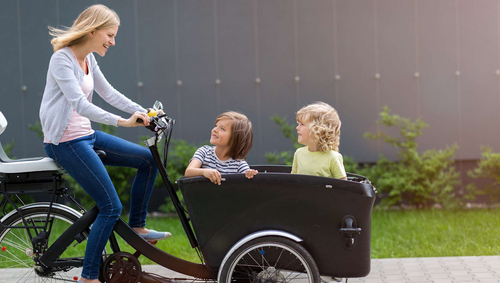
(334, 154)
(301, 149)
(206, 147)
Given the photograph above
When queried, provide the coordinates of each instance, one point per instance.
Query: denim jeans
(79, 159)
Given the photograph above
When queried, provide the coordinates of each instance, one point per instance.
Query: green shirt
(325, 164)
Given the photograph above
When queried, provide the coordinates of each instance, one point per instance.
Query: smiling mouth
(106, 46)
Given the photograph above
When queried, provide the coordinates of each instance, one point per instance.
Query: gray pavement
(480, 269)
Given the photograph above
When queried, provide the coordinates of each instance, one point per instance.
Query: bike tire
(270, 259)
(17, 250)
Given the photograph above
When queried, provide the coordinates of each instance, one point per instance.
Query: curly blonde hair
(93, 18)
(324, 124)
(241, 134)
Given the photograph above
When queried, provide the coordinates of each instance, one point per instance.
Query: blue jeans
(79, 159)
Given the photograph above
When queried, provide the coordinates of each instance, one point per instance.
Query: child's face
(221, 133)
(303, 133)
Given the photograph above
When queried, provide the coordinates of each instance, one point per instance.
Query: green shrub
(178, 160)
(488, 167)
(418, 179)
(8, 148)
(289, 131)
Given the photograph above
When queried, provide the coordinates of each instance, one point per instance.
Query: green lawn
(404, 233)
(435, 233)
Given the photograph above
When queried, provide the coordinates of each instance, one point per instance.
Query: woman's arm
(62, 70)
(110, 94)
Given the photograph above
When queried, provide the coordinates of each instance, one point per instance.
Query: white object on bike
(24, 165)
(3, 123)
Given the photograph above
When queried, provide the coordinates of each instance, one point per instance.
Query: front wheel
(270, 260)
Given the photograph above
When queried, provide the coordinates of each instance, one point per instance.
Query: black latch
(350, 230)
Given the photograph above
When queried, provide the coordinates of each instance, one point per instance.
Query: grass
(395, 234)
(177, 245)
(435, 233)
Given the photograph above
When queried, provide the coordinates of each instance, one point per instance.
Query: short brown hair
(324, 124)
(241, 134)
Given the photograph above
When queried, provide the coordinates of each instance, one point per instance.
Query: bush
(178, 160)
(284, 157)
(488, 167)
(418, 179)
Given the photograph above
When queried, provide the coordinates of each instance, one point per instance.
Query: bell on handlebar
(158, 106)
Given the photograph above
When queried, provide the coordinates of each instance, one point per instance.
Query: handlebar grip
(139, 120)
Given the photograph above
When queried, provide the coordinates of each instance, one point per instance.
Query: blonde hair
(93, 18)
(241, 134)
(324, 124)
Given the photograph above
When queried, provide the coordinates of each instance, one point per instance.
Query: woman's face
(102, 39)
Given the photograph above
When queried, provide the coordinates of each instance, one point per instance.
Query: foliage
(488, 167)
(8, 148)
(178, 160)
(351, 166)
(419, 179)
(37, 129)
(288, 130)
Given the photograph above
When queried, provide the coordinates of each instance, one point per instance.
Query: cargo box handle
(350, 230)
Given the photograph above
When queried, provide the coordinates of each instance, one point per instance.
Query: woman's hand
(132, 121)
(250, 173)
(213, 175)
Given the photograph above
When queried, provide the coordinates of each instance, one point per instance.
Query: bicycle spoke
(14, 245)
(25, 242)
(16, 259)
(262, 267)
(19, 246)
(279, 257)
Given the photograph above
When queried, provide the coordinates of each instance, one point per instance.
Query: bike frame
(49, 259)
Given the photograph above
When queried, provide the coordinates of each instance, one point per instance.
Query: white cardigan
(63, 93)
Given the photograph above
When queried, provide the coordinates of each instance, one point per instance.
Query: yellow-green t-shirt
(325, 164)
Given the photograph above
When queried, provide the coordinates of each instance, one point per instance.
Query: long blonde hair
(93, 18)
(324, 124)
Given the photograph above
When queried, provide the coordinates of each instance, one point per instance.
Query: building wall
(434, 60)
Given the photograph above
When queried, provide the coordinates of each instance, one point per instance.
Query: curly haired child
(319, 130)
(232, 137)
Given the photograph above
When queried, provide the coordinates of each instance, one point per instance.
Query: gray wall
(334, 48)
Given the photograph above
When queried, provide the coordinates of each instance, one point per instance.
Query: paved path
(482, 269)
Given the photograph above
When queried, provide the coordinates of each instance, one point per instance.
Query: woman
(65, 114)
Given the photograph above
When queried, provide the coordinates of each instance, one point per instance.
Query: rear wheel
(270, 260)
(17, 249)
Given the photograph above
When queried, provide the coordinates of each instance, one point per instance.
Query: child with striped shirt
(232, 138)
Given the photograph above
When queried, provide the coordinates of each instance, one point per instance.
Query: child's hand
(213, 175)
(250, 173)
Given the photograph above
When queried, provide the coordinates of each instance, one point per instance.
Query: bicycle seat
(25, 165)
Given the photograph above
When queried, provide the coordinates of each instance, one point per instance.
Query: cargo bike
(276, 227)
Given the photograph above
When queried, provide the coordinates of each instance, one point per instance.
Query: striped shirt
(206, 155)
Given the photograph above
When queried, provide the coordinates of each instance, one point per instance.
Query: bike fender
(256, 235)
